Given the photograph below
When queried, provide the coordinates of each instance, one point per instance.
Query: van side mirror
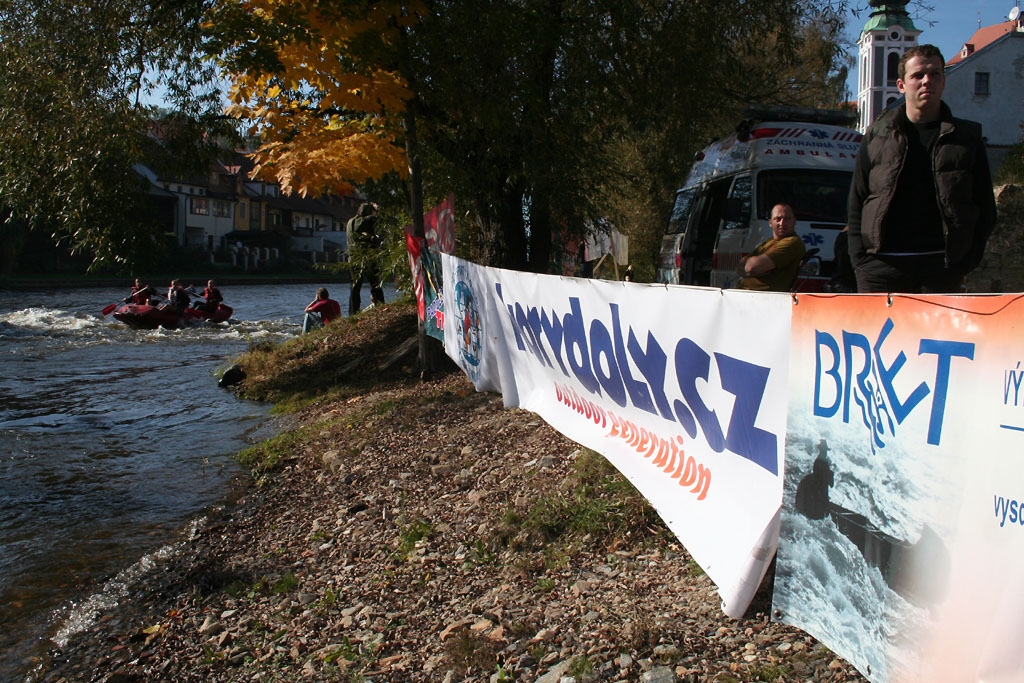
(736, 210)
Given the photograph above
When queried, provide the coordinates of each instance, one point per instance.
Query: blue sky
(948, 27)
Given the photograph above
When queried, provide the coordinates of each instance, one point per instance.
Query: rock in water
(232, 376)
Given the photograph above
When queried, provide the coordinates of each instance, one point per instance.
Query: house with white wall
(985, 83)
(223, 209)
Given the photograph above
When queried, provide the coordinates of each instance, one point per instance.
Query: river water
(111, 441)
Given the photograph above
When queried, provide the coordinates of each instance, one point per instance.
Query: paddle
(107, 310)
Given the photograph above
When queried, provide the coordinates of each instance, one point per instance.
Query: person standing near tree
(364, 246)
(921, 202)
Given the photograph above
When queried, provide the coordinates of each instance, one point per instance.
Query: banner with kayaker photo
(682, 389)
(425, 263)
(902, 531)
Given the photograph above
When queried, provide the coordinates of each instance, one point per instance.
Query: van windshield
(815, 195)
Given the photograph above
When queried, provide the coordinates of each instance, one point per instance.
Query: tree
(73, 120)
(325, 86)
(547, 113)
(319, 84)
(523, 107)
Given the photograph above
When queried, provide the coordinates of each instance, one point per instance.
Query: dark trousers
(355, 298)
(927, 274)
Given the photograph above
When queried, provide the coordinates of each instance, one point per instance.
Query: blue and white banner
(684, 390)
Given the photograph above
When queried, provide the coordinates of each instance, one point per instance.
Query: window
(200, 206)
(892, 71)
(681, 210)
(241, 210)
(818, 196)
(221, 208)
(981, 83)
(741, 195)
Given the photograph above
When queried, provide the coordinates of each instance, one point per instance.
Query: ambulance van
(800, 157)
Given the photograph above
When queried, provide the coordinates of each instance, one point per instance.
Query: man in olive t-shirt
(774, 263)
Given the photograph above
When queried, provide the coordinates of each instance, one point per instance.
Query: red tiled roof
(983, 37)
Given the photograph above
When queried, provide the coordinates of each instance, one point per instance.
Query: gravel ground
(419, 531)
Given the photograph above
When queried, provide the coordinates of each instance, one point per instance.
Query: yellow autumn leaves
(327, 113)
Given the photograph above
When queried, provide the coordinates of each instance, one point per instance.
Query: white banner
(683, 389)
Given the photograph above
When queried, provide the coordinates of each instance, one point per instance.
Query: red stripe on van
(759, 133)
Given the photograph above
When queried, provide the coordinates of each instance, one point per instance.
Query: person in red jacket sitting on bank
(321, 311)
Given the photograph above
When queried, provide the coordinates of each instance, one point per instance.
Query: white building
(888, 33)
(985, 83)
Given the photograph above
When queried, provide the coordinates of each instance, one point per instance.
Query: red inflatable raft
(146, 317)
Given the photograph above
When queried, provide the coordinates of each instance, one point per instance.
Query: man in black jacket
(364, 246)
(921, 202)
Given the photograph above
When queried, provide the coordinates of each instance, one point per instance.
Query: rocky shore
(416, 530)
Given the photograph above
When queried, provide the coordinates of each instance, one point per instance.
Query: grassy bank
(356, 359)
(369, 351)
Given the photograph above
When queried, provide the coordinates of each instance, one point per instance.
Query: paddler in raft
(140, 294)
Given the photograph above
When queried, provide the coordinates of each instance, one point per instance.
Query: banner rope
(928, 301)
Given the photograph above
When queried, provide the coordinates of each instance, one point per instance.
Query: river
(111, 441)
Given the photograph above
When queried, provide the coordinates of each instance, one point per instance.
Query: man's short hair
(322, 293)
(922, 51)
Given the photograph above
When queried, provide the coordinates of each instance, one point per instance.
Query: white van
(800, 157)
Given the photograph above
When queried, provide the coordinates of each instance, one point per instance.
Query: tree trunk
(514, 227)
(431, 350)
(540, 233)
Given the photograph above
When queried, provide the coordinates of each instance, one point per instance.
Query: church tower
(888, 33)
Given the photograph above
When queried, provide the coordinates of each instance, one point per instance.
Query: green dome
(888, 13)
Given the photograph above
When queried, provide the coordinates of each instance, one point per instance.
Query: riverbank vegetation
(353, 354)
